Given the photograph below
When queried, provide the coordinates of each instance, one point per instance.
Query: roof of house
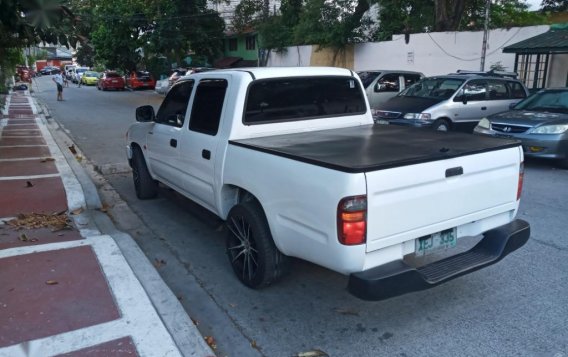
(553, 41)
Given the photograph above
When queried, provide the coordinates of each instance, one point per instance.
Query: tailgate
(408, 202)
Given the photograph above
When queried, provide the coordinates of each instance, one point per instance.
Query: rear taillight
(521, 179)
(352, 220)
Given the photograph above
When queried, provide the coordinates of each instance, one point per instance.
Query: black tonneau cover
(374, 147)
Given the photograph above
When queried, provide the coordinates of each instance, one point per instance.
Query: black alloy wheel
(255, 259)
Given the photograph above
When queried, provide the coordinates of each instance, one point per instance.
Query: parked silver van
(447, 102)
(381, 85)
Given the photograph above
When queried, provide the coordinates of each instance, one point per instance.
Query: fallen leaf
(346, 312)
(159, 262)
(253, 344)
(37, 220)
(23, 237)
(179, 297)
(34, 240)
(211, 342)
(312, 353)
(77, 211)
(29, 184)
(51, 282)
(79, 158)
(72, 149)
(195, 322)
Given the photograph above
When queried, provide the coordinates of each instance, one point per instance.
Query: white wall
(558, 71)
(296, 56)
(442, 52)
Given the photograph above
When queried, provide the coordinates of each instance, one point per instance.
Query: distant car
(110, 80)
(78, 73)
(381, 85)
(162, 86)
(177, 74)
(49, 70)
(140, 79)
(90, 78)
(540, 122)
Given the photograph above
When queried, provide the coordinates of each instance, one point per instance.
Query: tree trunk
(448, 14)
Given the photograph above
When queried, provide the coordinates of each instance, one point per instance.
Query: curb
(178, 324)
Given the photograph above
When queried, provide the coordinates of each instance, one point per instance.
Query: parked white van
(381, 85)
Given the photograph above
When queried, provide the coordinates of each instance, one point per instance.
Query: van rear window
(302, 98)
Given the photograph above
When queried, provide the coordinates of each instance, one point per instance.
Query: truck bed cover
(374, 147)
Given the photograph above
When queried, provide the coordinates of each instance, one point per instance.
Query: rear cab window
(298, 98)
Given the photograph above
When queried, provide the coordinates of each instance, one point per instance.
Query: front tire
(441, 125)
(255, 259)
(146, 187)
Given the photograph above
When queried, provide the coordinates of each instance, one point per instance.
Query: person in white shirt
(58, 79)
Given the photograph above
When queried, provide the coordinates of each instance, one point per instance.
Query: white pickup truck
(291, 160)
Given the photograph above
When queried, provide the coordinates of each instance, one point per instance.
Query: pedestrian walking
(58, 79)
(79, 77)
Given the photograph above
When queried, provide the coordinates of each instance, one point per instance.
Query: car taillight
(521, 179)
(352, 220)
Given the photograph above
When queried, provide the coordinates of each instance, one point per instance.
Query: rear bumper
(397, 278)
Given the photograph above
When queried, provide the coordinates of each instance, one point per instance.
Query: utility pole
(485, 30)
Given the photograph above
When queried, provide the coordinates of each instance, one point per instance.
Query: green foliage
(554, 5)
(330, 24)
(86, 55)
(502, 13)
(247, 14)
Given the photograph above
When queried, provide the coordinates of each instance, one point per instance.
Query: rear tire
(146, 187)
(255, 259)
(441, 125)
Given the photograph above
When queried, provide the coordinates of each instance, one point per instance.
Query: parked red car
(140, 79)
(110, 80)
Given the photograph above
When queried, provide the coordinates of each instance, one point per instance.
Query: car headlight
(418, 116)
(484, 123)
(550, 129)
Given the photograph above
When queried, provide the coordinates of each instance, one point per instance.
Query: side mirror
(380, 87)
(145, 113)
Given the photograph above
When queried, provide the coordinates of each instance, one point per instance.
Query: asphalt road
(518, 307)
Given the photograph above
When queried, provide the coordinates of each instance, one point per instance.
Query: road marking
(21, 146)
(24, 159)
(32, 177)
(138, 317)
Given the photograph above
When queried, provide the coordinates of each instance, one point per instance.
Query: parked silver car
(446, 102)
(540, 122)
(381, 85)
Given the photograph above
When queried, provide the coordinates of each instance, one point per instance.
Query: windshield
(433, 88)
(80, 70)
(368, 77)
(547, 101)
(91, 74)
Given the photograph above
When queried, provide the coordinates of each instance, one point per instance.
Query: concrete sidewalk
(66, 288)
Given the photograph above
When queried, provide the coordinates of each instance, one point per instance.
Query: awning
(553, 41)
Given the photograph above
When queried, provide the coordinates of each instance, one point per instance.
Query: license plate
(441, 240)
(381, 121)
(113, 81)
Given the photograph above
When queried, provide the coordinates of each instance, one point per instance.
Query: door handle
(483, 108)
(206, 154)
(173, 143)
(151, 133)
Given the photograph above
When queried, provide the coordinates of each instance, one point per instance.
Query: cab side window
(208, 106)
(173, 108)
(388, 83)
(410, 79)
(476, 90)
(498, 90)
(517, 91)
